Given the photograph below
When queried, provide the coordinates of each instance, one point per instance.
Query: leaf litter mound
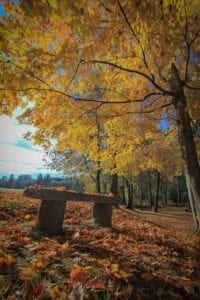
(135, 259)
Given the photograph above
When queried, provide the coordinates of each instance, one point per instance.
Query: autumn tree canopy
(123, 65)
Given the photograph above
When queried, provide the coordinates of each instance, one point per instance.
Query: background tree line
(23, 181)
(148, 190)
(141, 191)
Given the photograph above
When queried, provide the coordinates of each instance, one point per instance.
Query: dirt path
(165, 221)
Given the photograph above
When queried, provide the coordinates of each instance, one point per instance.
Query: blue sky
(18, 156)
(2, 12)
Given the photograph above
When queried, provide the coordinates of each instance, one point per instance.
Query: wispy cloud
(18, 156)
(26, 145)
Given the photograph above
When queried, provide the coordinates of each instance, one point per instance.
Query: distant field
(11, 190)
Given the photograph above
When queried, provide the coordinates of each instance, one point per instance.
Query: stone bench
(53, 203)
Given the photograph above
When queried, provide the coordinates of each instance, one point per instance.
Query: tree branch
(191, 87)
(195, 37)
(29, 73)
(135, 72)
(77, 98)
(133, 32)
(138, 112)
(73, 77)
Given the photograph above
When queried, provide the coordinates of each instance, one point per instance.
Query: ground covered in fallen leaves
(138, 258)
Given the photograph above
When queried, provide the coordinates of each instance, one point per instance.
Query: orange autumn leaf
(61, 188)
(6, 260)
(125, 274)
(97, 285)
(37, 186)
(84, 231)
(37, 290)
(79, 274)
(37, 265)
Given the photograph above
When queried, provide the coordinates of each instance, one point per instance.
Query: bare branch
(157, 108)
(133, 32)
(86, 113)
(153, 94)
(77, 98)
(24, 90)
(29, 73)
(191, 87)
(138, 112)
(73, 77)
(135, 72)
(196, 128)
(195, 37)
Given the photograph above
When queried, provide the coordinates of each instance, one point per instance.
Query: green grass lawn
(177, 212)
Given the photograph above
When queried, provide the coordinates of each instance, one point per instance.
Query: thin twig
(75, 73)
(133, 32)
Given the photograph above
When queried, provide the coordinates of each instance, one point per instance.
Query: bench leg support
(51, 215)
(102, 214)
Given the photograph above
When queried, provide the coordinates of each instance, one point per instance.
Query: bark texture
(187, 144)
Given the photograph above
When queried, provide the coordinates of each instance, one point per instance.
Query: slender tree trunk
(178, 190)
(98, 181)
(187, 145)
(162, 193)
(150, 191)
(122, 192)
(140, 191)
(114, 185)
(130, 194)
(167, 193)
(155, 207)
(104, 187)
(97, 206)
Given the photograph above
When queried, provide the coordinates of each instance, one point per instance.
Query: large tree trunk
(186, 140)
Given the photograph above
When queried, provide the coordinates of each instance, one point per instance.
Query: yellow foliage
(6, 260)
(27, 274)
(55, 293)
(27, 217)
(79, 75)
